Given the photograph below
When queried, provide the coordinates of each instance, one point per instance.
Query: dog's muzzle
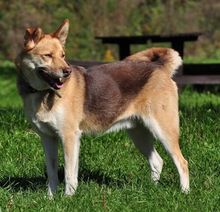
(54, 81)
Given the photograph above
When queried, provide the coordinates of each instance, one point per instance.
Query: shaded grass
(113, 175)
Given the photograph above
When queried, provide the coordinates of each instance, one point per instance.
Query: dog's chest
(44, 120)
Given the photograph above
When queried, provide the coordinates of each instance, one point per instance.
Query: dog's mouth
(53, 81)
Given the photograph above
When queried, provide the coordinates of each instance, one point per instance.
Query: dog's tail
(166, 57)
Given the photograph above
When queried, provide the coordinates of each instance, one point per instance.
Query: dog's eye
(63, 55)
(48, 55)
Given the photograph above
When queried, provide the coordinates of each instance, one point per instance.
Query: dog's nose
(66, 72)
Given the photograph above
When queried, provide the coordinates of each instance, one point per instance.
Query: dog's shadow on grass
(22, 183)
(34, 183)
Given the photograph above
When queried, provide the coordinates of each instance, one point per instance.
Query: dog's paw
(70, 190)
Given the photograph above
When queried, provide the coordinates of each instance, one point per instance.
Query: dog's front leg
(71, 144)
(50, 145)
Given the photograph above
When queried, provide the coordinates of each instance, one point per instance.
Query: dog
(62, 102)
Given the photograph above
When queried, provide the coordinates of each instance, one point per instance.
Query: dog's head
(42, 59)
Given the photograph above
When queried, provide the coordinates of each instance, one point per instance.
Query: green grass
(199, 60)
(113, 175)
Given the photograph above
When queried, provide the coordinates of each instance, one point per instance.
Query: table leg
(178, 46)
(124, 50)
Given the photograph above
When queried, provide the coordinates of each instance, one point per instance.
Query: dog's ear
(32, 38)
(62, 32)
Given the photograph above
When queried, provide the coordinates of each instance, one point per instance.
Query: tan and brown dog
(136, 94)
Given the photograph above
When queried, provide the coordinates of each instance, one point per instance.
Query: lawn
(113, 175)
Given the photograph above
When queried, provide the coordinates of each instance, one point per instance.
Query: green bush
(110, 18)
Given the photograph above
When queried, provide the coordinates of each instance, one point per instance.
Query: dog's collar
(33, 90)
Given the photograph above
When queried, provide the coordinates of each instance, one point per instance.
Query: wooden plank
(127, 39)
(201, 69)
(198, 79)
(85, 64)
(177, 37)
(142, 39)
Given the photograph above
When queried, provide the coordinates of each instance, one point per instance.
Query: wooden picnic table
(177, 41)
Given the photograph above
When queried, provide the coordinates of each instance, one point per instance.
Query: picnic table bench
(187, 74)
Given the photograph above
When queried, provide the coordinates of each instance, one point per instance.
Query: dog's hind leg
(165, 127)
(143, 140)
(50, 145)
